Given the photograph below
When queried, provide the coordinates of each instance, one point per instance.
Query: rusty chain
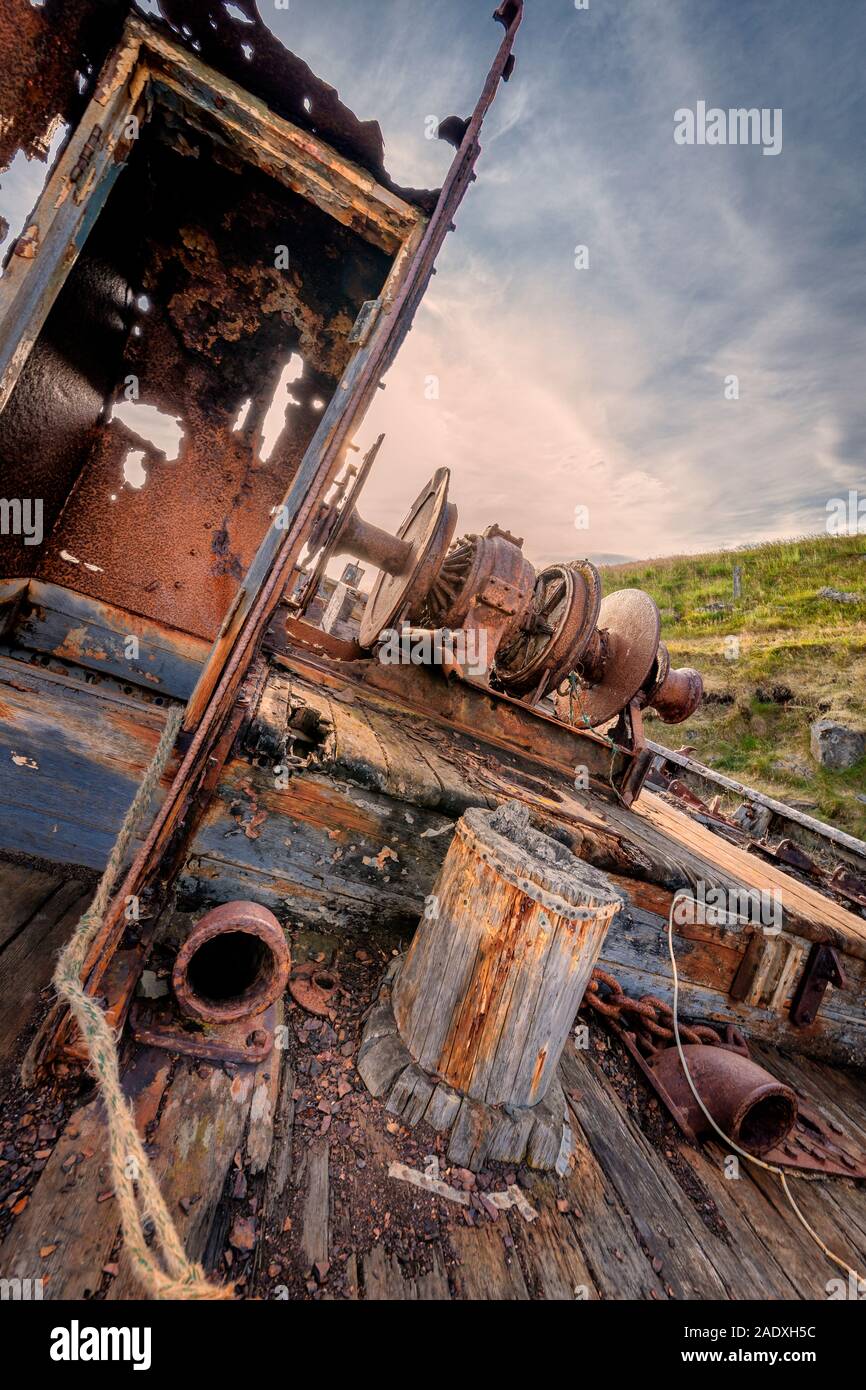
(649, 1018)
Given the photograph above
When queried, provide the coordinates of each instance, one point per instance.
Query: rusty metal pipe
(674, 692)
(234, 964)
(748, 1104)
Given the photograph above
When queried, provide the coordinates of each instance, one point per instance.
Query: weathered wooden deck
(293, 1160)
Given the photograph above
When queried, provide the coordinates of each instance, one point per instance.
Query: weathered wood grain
(382, 1278)
(27, 961)
(698, 1264)
(72, 756)
(93, 635)
(22, 892)
(315, 1219)
(201, 1126)
(72, 1208)
(491, 983)
(486, 1271)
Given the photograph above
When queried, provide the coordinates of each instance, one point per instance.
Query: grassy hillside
(800, 657)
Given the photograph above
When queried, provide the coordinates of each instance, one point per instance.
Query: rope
(574, 693)
(175, 1276)
(769, 1167)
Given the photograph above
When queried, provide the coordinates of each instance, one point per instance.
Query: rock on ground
(835, 745)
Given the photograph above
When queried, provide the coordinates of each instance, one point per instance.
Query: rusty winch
(540, 633)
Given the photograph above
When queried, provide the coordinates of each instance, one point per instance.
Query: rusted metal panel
(46, 48)
(196, 227)
(280, 79)
(222, 320)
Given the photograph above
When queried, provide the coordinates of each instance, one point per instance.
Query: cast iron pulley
(561, 620)
(409, 561)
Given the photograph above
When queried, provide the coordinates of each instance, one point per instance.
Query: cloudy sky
(605, 387)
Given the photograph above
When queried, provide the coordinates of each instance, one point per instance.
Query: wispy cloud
(561, 388)
(605, 387)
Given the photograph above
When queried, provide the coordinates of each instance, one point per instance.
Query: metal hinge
(367, 316)
(85, 158)
(823, 968)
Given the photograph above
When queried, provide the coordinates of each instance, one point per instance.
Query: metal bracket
(367, 316)
(823, 968)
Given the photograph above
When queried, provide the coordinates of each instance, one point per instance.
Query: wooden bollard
(484, 1000)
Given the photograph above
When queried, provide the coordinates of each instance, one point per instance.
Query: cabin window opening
(282, 402)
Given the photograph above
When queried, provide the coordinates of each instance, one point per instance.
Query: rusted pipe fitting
(234, 964)
(673, 692)
(594, 657)
(748, 1104)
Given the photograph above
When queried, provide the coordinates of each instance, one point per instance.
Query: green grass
(787, 637)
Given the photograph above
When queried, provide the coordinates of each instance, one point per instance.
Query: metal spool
(412, 559)
(234, 964)
(618, 657)
(563, 617)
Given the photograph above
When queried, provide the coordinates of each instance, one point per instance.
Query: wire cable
(759, 1163)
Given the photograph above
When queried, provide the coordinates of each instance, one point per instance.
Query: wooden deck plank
(698, 1264)
(72, 758)
(28, 960)
(815, 914)
(22, 892)
(72, 1212)
(553, 1262)
(824, 1217)
(765, 1270)
(485, 1269)
(200, 1128)
(383, 1279)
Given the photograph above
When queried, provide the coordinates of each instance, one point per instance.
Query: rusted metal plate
(246, 1042)
(629, 627)
(427, 532)
(222, 321)
(45, 48)
(823, 968)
